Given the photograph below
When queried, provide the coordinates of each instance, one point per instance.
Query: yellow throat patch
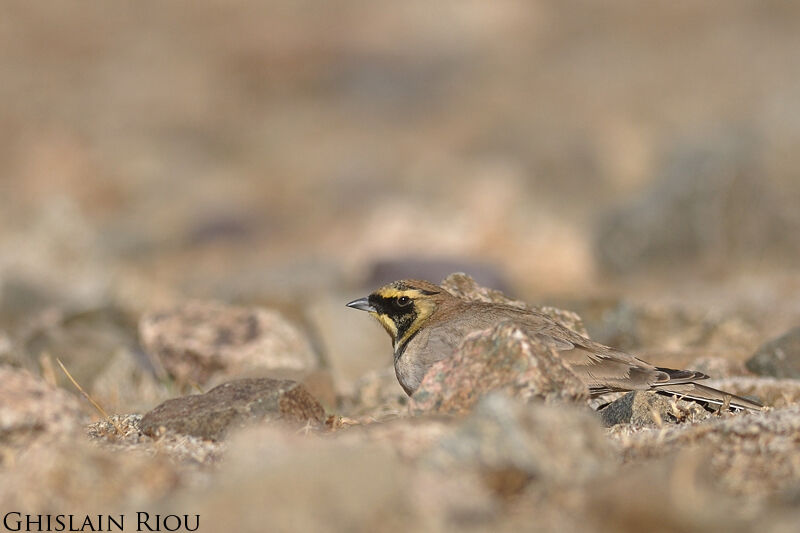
(421, 307)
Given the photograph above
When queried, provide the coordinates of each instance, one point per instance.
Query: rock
(753, 454)
(465, 287)
(718, 367)
(503, 358)
(636, 496)
(53, 259)
(611, 321)
(640, 408)
(319, 384)
(709, 204)
(562, 445)
(84, 340)
(646, 408)
(20, 297)
(123, 433)
(77, 475)
(235, 404)
(566, 318)
(126, 384)
(116, 428)
(355, 345)
(668, 327)
(410, 437)
(200, 341)
(779, 358)
(6, 347)
(31, 409)
(310, 484)
(377, 395)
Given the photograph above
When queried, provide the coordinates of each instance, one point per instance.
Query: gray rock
(779, 358)
(411, 437)
(123, 433)
(85, 340)
(20, 297)
(503, 358)
(654, 325)
(200, 341)
(377, 394)
(232, 405)
(639, 408)
(310, 484)
(562, 445)
(751, 453)
(78, 475)
(354, 347)
(125, 384)
(6, 348)
(709, 204)
(719, 367)
(464, 286)
(31, 409)
(637, 499)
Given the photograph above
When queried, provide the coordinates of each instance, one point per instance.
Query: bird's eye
(403, 301)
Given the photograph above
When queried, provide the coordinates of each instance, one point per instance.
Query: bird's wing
(605, 373)
(602, 368)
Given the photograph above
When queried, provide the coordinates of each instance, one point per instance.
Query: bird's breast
(413, 359)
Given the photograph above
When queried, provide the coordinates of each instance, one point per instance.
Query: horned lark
(427, 324)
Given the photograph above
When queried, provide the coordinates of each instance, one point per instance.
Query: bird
(427, 324)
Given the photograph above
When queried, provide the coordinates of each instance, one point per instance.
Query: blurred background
(635, 162)
(297, 153)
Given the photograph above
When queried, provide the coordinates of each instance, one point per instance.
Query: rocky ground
(501, 437)
(190, 193)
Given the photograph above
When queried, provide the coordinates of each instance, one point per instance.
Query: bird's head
(402, 307)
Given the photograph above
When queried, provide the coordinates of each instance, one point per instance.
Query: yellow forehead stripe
(391, 292)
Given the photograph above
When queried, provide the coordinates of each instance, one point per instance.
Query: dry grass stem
(48, 372)
(91, 400)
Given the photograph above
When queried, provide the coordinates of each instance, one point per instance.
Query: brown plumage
(427, 324)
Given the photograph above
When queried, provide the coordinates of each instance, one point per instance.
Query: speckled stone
(779, 358)
(639, 408)
(233, 405)
(504, 359)
(30, 408)
(202, 340)
(553, 444)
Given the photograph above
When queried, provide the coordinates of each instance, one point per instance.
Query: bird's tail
(702, 393)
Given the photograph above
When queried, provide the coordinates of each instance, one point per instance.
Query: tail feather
(702, 393)
(682, 376)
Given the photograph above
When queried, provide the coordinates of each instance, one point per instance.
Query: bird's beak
(362, 304)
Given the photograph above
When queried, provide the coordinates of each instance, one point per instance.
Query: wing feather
(602, 368)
